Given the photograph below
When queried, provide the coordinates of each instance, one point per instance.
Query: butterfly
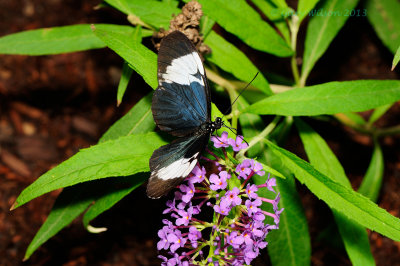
(181, 106)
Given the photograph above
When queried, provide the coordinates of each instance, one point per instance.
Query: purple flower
(188, 192)
(237, 144)
(235, 237)
(244, 168)
(251, 190)
(198, 175)
(249, 254)
(165, 259)
(223, 208)
(247, 238)
(258, 216)
(196, 209)
(261, 244)
(257, 167)
(185, 218)
(178, 195)
(171, 206)
(221, 141)
(176, 240)
(168, 223)
(176, 260)
(275, 202)
(256, 229)
(270, 183)
(232, 197)
(219, 182)
(277, 216)
(163, 233)
(193, 236)
(235, 240)
(252, 206)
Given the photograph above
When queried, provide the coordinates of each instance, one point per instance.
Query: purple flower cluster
(239, 221)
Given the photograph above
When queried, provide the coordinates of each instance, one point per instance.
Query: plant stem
(277, 88)
(294, 29)
(368, 129)
(395, 130)
(268, 129)
(347, 122)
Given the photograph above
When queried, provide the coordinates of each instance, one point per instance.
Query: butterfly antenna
(242, 90)
(234, 131)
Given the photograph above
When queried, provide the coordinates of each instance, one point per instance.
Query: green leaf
(338, 197)
(155, 13)
(354, 236)
(140, 58)
(232, 60)
(71, 202)
(206, 25)
(292, 239)
(126, 69)
(112, 192)
(320, 155)
(305, 6)
(105, 194)
(121, 157)
(322, 29)
(372, 182)
(384, 17)
(138, 120)
(280, 3)
(355, 239)
(251, 126)
(396, 58)
(355, 118)
(243, 21)
(123, 82)
(275, 15)
(378, 112)
(58, 40)
(290, 245)
(330, 98)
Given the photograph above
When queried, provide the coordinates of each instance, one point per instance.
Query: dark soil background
(52, 106)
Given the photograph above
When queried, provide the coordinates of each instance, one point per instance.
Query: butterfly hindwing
(171, 163)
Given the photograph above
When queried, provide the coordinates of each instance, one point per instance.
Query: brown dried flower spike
(188, 23)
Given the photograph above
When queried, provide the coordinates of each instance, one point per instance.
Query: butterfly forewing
(181, 102)
(181, 106)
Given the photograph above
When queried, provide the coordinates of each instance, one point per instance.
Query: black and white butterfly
(181, 106)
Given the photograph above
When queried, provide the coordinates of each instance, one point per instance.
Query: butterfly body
(181, 106)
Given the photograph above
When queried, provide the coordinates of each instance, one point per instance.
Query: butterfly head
(218, 123)
(210, 127)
